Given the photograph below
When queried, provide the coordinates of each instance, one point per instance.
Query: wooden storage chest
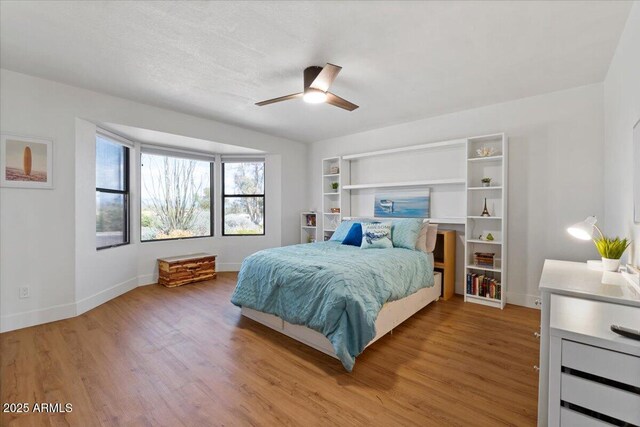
(180, 270)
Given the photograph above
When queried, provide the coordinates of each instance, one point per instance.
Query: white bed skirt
(391, 315)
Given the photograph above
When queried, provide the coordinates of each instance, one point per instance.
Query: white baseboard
(86, 304)
(147, 279)
(59, 312)
(37, 317)
(524, 300)
(228, 266)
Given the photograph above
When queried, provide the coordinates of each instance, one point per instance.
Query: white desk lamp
(584, 230)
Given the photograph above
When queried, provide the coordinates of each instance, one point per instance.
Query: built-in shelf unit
(490, 279)
(336, 202)
(457, 196)
(308, 227)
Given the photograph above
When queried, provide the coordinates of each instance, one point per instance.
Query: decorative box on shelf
(183, 269)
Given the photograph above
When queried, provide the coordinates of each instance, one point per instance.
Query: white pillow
(376, 235)
(427, 238)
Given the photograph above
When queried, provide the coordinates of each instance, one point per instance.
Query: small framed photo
(26, 162)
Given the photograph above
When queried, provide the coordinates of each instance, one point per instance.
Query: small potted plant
(334, 186)
(611, 251)
(486, 182)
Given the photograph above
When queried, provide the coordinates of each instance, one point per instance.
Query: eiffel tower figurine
(485, 212)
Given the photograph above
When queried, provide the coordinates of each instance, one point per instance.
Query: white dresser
(588, 374)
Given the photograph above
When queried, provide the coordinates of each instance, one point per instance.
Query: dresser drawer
(608, 364)
(607, 400)
(570, 418)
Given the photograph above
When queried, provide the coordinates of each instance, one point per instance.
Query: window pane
(244, 178)
(110, 219)
(244, 215)
(110, 164)
(175, 197)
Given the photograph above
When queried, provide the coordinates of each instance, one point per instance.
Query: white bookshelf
(477, 226)
(308, 227)
(333, 199)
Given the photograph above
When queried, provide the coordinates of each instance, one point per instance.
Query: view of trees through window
(243, 196)
(175, 197)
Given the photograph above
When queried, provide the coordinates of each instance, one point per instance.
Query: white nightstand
(578, 307)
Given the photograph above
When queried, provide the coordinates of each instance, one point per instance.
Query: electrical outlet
(24, 292)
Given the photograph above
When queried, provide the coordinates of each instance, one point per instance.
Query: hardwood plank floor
(185, 356)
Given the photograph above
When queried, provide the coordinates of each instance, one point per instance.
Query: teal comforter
(337, 290)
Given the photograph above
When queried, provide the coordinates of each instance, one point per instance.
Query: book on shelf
(483, 259)
(483, 286)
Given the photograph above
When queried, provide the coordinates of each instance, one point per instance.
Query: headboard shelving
(453, 171)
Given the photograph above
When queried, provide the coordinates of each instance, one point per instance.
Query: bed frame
(391, 315)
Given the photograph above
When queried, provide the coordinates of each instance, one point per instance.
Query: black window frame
(211, 197)
(263, 195)
(125, 192)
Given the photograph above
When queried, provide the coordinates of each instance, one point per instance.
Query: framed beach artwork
(402, 204)
(26, 162)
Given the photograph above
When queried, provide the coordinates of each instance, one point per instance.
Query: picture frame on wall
(636, 172)
(402, 204)
(26, 162)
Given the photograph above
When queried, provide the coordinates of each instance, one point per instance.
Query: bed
(337, 298)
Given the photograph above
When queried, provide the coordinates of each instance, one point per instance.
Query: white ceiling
(401, 61)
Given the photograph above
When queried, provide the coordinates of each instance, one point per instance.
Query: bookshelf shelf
(480, 268)
(485, 159)
(453, 181)
(484, 300)
(484, 188)
(430, 146)
(484, 242)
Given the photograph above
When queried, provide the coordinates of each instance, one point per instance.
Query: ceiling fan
(316, 88)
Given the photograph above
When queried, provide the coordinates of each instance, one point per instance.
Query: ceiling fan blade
(326, 77)
(280, 99)
(339, 102)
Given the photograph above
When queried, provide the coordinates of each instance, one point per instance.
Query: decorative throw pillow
(342, 230)
(354, 236)
(405, 232)
(376, 235)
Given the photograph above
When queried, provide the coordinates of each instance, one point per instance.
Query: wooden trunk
(180, 270)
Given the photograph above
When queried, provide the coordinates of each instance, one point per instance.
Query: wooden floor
(185, 356)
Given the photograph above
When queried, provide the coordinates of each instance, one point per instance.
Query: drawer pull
(536, 334)
(536, 368)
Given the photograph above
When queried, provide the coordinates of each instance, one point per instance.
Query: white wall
(42, 230)
(622, 111)
(555, 171)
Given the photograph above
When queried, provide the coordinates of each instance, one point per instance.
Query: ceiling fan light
(314, 96)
